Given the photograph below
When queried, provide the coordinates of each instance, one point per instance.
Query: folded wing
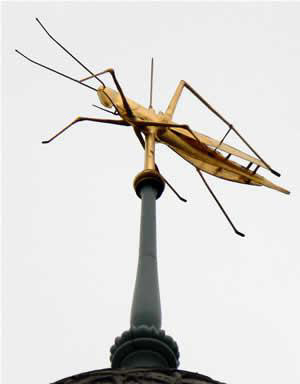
(204, 157)
(223, 147)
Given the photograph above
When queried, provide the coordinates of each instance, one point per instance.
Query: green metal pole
(145, 344)
(146, 309)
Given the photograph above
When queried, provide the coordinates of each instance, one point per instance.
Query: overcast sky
(71, 216)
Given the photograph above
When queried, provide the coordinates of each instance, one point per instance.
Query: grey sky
(71, 215)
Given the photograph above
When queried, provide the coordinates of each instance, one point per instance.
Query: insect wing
(213, 143)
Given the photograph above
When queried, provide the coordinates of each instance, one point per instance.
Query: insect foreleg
(112, 73)
(81, 118)
(107, 110)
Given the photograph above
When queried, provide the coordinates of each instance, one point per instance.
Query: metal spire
(146, 309)
(145, 344)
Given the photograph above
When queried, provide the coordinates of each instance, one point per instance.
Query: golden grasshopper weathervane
(150, 127)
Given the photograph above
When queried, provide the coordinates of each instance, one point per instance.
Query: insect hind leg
(173, 103)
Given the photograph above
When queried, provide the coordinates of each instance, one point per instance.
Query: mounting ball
(149, 177)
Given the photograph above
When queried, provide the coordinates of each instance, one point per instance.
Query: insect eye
(104, 99)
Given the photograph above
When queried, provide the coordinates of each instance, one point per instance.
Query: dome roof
(138, 376)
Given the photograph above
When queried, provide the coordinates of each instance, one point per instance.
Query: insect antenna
(69, 53)
(55, 71)
(151, 84)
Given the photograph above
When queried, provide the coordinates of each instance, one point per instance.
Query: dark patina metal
(138, 376)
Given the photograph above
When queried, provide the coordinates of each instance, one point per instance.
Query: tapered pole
(145, 344)
(146, 309)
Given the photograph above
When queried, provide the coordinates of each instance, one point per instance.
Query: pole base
(149, 177)
(144, 346)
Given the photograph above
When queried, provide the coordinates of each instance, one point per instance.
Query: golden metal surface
(200, 153)
(150, 149)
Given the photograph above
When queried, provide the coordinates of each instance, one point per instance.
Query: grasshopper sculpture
(201, 151)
